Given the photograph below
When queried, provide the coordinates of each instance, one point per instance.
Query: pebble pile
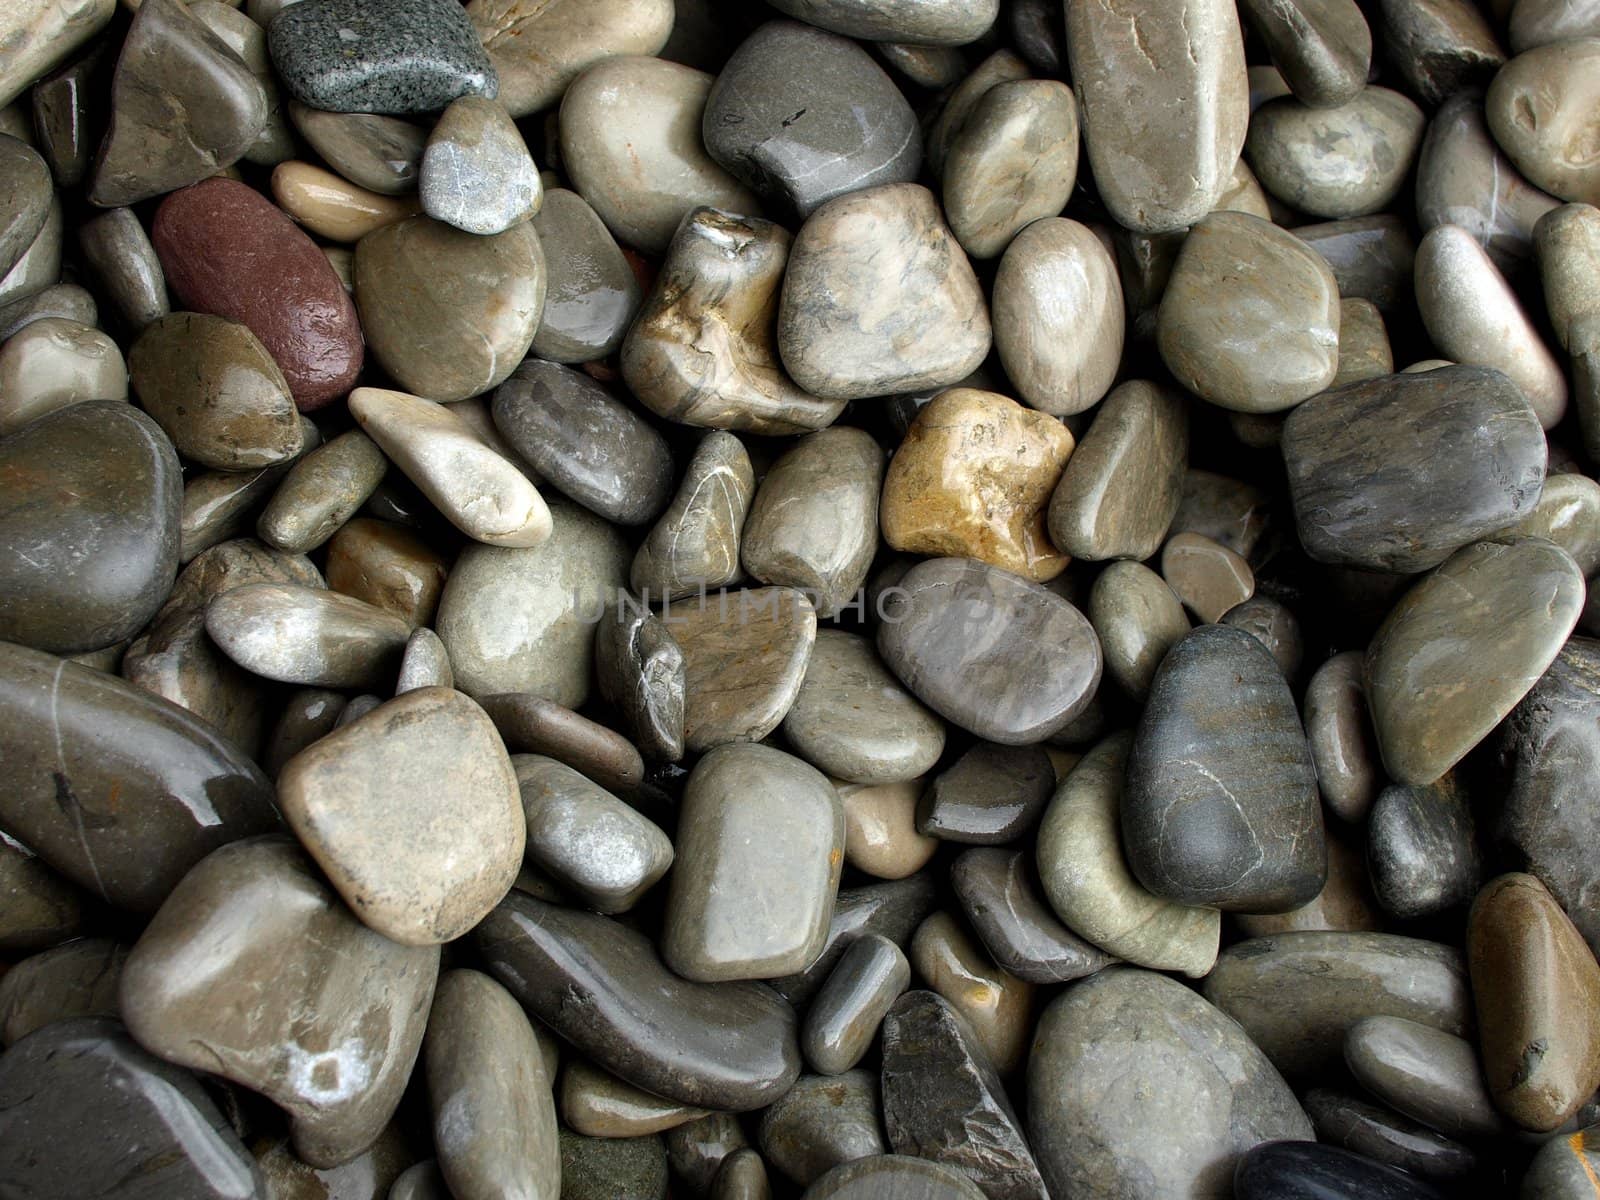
(827, 599)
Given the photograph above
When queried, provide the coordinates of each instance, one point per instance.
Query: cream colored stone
(332, 207)
(52, 363)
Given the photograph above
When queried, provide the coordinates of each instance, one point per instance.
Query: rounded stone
(321, 492)
(379, 153)
(1323, 48)
(1335, 163)
(1425, 1073)
(999, 892)
(25, 200)
(119, 253)
(54, 362)
(997, 1005)
(79, 978)
(842, 1021)
(1206, 575)
(1383, 1135)
(1295, 1170)
(935, 23)
(476, 172)
(824, 1120)
(310, 636)
(1371, 257)
(1563, 1166)
(880, 828)
(332, 207)
(1339, 731)
(1442, 47)
(991, 795)
(596, 1103)
(695, 544)
(591, 294)
(1422, 849)
(639, 671)
(388, 566)
(1138, 619)
(892, 1176)
(1542, 110)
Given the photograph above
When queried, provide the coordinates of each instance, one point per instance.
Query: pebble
(226, 250)
(232, 564)
(1427, 1074)
(387, 566)
(1364, 349)
(973, 477)
(55, 362)
(118, 251)
(1206, 575)
(998, 1005)
(412, 56)
(1422, 848)
(308, 636)
(1165, 107)
(602, 852)
(39, 35)
(853, 720)
(1323, 48)
(241, 34)
(449, 314)
(1385, 1136)
(593, 448)
(424, 664)
(1128, 1051)
(631, 144)
(639, 670)
(745, 655)
(476, 172)
(539, 49)
(801, 115)
(822, 1121)
(743, 1177)
(728, 1046)
(597, 1104)
(813, 523)
(1014, 161)
(40, 264)
(183, 107)
(999, 892)
(1345, 902)
(1250, 318)
(971, 85)
(494, 1117)
(612, 1168)
(90, 513)
(420, 1182)
(1058, 316)
(332, 207)
(533, 725)
(1537, 992)
(1339, 730)
(321, 492)
(367, 1176)
(1440, 48)
(591, 294)
(991, 795)
(878, 298)
(880, 828)
(1137, 618)
(333, 1038)
(842, 1022)
(308, 714)
(1540, 107)
(1563, 1166)
(89, 1074)
(892, 1176)
(1366, 471)
(176, 660)
(218, 394)
(25, 203)
(1371, 257)
(1336, 163)
(696, 543)
(939, 23)
(1297, 994)
(1540, 22)
(697, 1149)
(379, 153)
(41, 908)
(703, 350)
(77, 979)
(759, 850)
(1306, 1171)
(892, 909)
(1493, 616)
(65, 300)
(523, 619)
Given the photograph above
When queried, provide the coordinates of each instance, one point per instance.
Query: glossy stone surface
(79, 978)
(1138, 618)
(697, 1149)
(388, 566)
(639, 670)
(321, 492)
(991, 795)
(591, 294)
(1507, 608)
(227, 250)
(1422, 848)
(1297, 994)
(1339, 730)
(944, 1102)
(40, 35)
(892, 1176)
(879, 298)
(598, 1104)
(297, 634)
(119, 252)
(164, 1137)
(1129, 1050)
(999, 1006)
(893, 910)
(993, 686)
(999, 891)
(822, 1121)
(940, 23)
(730, 1046)
(25, 202)
(1563, 1166)
(695, 544)
(1383, 1135)
(1306, 1171)
(1371, 464)
(331, 1041)
(411, 56)
(972, 478)
(41, 908)
(534, 725)
(1323, 48)
(842, 1022)
(332, 207)
(379, 153)
(54, 362)
(476, 172)
(1541, 109)
(40, 265)
(1424, 1073)
(447, 313)
(880, 829)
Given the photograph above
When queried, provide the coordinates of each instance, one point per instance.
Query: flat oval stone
(800, 116)
(727, 1045)
(1014, 161)
(591, 293)
(639, 670)
(388, 566)
(1339, 731)
(77, 979)
(1422, 848)
(494, 1118)
(1220, 806)
(1129, 1050)
(1121, 488)
(332, 207)
(412, 56)
(1385, 1136)
(89, 1074)
(696, 1150)
(989, 796)
(54, 362)
(1297, 994)
(25, 202)
(893, 910)
(939, 23)
(183, 107)
(760, 846)
(996, 687)
(944, 1102)
(891, 1176)
(227, 250)
(89, 508)
(999, 1006)
(215, 390)
(449, 314)
(412, 812)
(1058, 316)
(852, 719)
(1250, 318)
(309, 636)
(533, 725)
(745, 655)
(695, 545)
(1137, 618)
(972, 477)
(630, 141)
(321, 492)
(592, 447)
(880, 828)
(879, 298)
(813, 524)
(476, 172)
(1369, 464)
(1323, 48)
(1336, 163)
(333, 1038)
(123, 260)
(1461, 649)
(822, 1121)
(1474, 317)
(596, 1103)
(1296, 1171)
(1537, 990)
(1541, 109)
(703, 350)
(522, 620)
(1425, 1073)
(602, 852)
(842, 1021)
(379, 153)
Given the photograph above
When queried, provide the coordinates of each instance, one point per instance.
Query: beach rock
(1336, 163)
(842, 1022)
(310, 636)
(591, 293)
(1541, 109)
(476, 172)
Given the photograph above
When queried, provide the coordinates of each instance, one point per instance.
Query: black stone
(999, 892)
(1312, 1171)
(990, 795)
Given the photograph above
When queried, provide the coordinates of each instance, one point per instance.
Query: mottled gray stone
(695, 544)
(822, 1121)
(1425, 1073)
(999, 891)
(592, 293)
(1422, 848)
(842, 1021)
(321, 491)
(476, 172)
(612, 1168)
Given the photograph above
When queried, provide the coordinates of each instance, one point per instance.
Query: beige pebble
(1207, 576)
(54, 362)
(332, 207)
